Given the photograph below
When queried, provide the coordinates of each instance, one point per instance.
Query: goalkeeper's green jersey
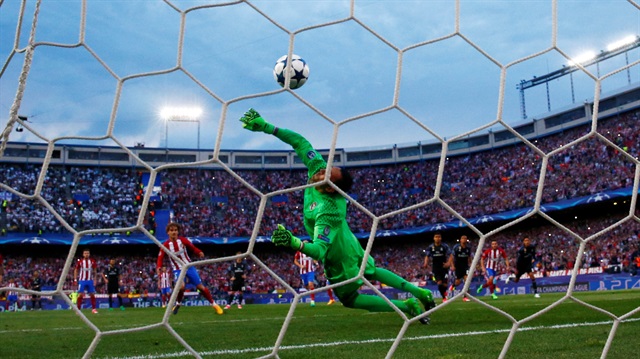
(325, 219)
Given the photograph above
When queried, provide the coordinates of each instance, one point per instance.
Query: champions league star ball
(299, 71)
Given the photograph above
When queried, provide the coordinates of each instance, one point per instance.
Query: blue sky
(448, 86)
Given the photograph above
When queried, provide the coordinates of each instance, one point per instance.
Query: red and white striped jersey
(178, 247)
(306, 262)
(494, 258)
(86, 267)
(12, 292)
(165, 280)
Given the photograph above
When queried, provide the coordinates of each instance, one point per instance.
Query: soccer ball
(299, 71)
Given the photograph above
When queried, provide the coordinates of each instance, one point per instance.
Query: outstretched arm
(316, 250)
(252, 121)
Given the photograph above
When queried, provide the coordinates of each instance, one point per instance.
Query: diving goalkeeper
(332, 242)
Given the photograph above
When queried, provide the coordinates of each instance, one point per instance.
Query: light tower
(180, 114)
(622, 46)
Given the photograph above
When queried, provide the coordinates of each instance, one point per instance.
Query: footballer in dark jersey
(460, 263)
(524, 264)
(437, 254)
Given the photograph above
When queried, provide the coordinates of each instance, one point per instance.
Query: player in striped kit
(85, 275)
(164, 283)
(179, 246)
(307, 267)
(491, 263)
(12, 296)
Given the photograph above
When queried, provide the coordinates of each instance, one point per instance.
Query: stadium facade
(623, 101)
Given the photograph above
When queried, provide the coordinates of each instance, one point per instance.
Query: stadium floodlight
(189, 114)
(629, 41)
(621, 43)
(180, 114)
(582, 58)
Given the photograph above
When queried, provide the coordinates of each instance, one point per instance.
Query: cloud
(448, 85)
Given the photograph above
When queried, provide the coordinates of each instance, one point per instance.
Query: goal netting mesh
(191, 18)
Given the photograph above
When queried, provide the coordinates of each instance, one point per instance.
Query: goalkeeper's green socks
(393, 280)
(373, 303)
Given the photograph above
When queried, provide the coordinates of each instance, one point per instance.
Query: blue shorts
(308, 278)
(192, 276)
(490, 272)
(166, 290)
(86, 285)
(12, 298)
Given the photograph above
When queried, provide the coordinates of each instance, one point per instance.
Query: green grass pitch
(458, 330)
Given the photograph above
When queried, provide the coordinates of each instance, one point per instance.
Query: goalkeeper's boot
(415, 310)
(331, 301)
(426, 298)
(218, 309)
(175, 309)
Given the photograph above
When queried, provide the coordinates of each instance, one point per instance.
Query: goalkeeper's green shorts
(345, 270)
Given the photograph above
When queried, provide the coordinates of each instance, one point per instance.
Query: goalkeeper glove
(283, 237)
(253, 122)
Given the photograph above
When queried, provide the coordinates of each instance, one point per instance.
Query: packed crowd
(212, 203)
(556, 250)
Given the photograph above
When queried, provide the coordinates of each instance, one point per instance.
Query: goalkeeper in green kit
(332, 242)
